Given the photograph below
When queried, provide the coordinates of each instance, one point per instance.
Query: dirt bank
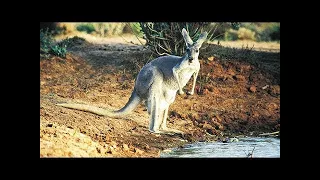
(238, 92)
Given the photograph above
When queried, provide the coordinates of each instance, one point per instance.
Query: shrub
(87, 27)
(59, 50)
(231, 35)
(133, 28)
(270, 32)
(246, 34)
(67, 27)
(114, 28)
(240, 34)
(251, 26)
(264, 31)
(68, 42)
(51, 27)
(45, 41)
(165, 37)
(220, 29)
(47, 46)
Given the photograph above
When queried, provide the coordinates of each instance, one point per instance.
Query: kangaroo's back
(165, 64)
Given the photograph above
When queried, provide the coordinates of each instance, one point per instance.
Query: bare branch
(268, 134)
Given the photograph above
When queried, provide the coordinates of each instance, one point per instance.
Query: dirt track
(234, 96)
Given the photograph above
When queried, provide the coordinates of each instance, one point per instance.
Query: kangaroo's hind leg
(163, 125)
(153, 107)
(153, 103)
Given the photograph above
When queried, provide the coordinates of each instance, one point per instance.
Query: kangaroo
(157, 85)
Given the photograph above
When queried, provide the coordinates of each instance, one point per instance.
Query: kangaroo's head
(192, 51)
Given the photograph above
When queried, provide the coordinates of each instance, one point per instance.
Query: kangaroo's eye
(197, 51)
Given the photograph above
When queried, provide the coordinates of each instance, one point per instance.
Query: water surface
(260, 147)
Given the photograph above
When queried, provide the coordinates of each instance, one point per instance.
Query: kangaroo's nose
(190, 58)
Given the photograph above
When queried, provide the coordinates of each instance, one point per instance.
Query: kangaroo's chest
(188, 70)
(186, 74)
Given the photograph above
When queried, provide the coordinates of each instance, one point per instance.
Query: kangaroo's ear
(202, 38)
(186, 37)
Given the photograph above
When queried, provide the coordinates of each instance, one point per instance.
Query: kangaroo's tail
(130, 106)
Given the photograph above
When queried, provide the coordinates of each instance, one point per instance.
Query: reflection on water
(259, 147)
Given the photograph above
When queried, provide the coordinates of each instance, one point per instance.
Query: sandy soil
(234, 97)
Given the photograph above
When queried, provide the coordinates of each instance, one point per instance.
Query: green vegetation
(135, 28)
(254, 31)
(88, 28)
(49, 47)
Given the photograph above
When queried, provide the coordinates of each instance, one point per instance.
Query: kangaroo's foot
(180, 92)
(167, 131)
(157, 131)
(172, 131)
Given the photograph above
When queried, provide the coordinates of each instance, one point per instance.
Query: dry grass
(123, 39)
(259, 46)
(132, 39)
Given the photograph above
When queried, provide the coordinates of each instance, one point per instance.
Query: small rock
(205, 91)
(253, 89)
(231, 72)
(206, 126)
(125, 147)
(272, 106)
(225, 140)
(211, 58)
(210, 88)
(138, 151)
(233, 140)
(113, 144)
(265, 87)
(113, 151)
(108, 149)
(195, 123)
(146, 147)
(218, 118)
(274, 90)
(167, 150)
(210, 131)
(239, 77)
